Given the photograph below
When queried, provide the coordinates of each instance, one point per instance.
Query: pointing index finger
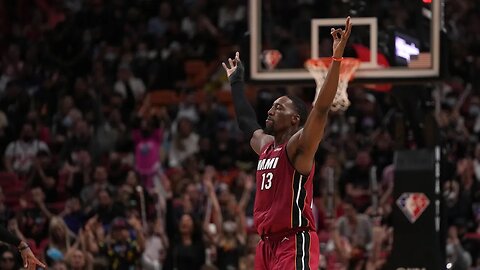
(348, 27)
(347, 22)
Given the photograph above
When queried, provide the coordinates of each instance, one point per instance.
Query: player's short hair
(300, 108)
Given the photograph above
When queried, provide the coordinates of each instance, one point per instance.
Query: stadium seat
(231, 111)
(224, 97)
(164, 97)
(12, 188)
(200, 96)
(196, 72)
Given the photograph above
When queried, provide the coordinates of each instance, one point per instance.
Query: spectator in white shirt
(131, 88)
(230, 13)
(20, 154)
(184, 143)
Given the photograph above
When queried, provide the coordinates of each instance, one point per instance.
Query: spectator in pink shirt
(148, 139)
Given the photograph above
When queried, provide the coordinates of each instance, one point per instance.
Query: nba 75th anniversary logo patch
(413, 205)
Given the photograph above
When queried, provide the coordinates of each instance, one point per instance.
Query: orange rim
(347, 68)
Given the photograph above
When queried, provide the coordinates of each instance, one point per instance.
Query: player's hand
(30, 262)
(236, 70)
(340, 38)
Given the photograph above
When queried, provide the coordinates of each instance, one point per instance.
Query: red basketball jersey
(283, 199)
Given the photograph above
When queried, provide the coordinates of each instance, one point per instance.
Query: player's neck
(283, 137)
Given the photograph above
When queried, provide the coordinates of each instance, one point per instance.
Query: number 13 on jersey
(266, 181)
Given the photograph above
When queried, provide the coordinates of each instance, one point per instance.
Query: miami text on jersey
(267, 164)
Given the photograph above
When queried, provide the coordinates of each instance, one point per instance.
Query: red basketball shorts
(297, 251)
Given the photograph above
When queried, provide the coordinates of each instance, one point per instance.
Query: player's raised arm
(246, 117)
(303, 145)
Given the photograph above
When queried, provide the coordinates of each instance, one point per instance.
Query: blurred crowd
(96, 175)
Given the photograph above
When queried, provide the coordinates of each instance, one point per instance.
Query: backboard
(395, 40)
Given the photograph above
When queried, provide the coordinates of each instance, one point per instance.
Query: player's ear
(295, 119)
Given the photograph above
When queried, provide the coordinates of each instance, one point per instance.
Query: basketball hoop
(271, 58)
(318, 67)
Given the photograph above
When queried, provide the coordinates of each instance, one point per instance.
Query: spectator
(130, 88)
(77, 259)
(468, 192)
(20, 154)
(188, 108)
(5, 212)
(187, 246)
(476, 162)
(381, 248)
(156, 245)
(159, 24)
(80, 140)
(73, 214)
(65, 118)
(45, 176)
(210, 113)
(4, 140)
(60, 240)
(248, 260)
(110, 132)
(85, 100)
(107, 209)
(224, 148)
(336, 249)
(456, 255)
(184, 143)
(16, 104)
(59, 265)
(355, 181)
(33, 219)
(123, 250)
(100, 182)
(382, 152)
(230, 16)
(233, 230)
(77, 173)
(8, 260)
(120, 165)
(168, 69)
(12, 64)
(357, 229)
(148, 139)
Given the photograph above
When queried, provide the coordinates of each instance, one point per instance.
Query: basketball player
(29, 260)
(286, 148)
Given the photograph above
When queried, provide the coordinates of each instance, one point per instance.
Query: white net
(319, 69)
